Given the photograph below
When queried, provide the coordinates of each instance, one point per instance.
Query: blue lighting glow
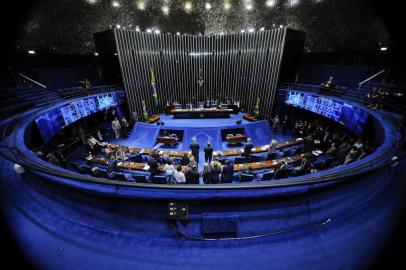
(353, 118)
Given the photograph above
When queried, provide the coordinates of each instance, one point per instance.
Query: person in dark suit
(185, 160)
(247, 150)
(153, 166)
(208, 153)
(215, 171)
(332, 151)
(282, 171)
(192, 176)
(227, 172)
(206, 174)
(195, 147)
(308, 143)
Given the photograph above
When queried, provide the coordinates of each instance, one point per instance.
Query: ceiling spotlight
(251, 30)
(280, 26)
(31, 52)
(141, 5)
(262, 29)
(207, 6)
(96, 54)
(149, 30)
(242, 31)
(270, 3)
(188, 6)
(157, 31)
(248, 6)
(115, 4)
(227, 5)
(177, 33)
(293, 3)
(165, 10)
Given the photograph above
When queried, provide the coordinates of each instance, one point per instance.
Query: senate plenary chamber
(202, 134)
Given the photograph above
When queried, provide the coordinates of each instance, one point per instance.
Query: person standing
(227, 172)
(208, 153)
(195, 147)
(115, 125)
(125, 126)
(247, 150)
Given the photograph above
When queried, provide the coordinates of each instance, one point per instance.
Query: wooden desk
(269, 164)
(250, 117)
(201, 113)
(153, 119)
(256, 150)
(129, 165)
(166, 140)
(236, 139)
(148, 151)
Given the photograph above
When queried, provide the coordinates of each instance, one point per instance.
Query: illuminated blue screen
(352, 117)
(49, 123)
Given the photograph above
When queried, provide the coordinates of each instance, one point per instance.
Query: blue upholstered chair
(159, 179)
(246, 178)
(141, 178)
(267, 175)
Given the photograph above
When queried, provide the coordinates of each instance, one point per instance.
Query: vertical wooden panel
(240, 67)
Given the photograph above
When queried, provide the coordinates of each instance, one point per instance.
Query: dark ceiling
(66, 26)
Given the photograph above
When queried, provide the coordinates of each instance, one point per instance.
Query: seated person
(351, 156)
(192, 175)
(282, 171)
(304, 168)
(179, 176)
(165, 133)
(330, 84)
(121, 153)
(51, 158)
(332, 151)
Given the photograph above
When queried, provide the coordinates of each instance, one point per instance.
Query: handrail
(31, 80)
(370, 78)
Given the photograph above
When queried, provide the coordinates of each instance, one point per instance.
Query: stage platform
(204, 130)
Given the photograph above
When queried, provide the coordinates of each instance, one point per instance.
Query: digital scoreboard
(49, 123)
(352, 117)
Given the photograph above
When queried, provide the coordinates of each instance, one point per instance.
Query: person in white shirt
(115, 124)
(169, 170)
(179, 176)
(272, 145)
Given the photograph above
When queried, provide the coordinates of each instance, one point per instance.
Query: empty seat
(239, 160)
(159, 179)
(272, 155)
(246, 178)
(141, 179)
(267, 175)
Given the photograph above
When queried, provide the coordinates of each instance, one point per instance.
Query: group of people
(340, 147)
